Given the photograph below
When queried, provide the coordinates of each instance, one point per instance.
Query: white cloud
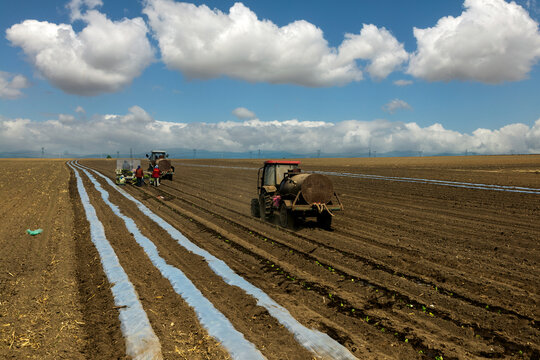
(204, 43)
(395, 105)
(243, 113)
(402, 82)
(75, 7)
(104, 57)
(110, 133)
(11, 85)
(492, 41)
(379, 46)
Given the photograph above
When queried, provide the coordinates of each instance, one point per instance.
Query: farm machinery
(160, 158)
(285, 190)
(125, 171)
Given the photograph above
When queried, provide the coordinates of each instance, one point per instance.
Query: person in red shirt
(139, 175)
(155, 175)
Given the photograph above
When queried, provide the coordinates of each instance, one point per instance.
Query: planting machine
(125, 171)
(285, 190)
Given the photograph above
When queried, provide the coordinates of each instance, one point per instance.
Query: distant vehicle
(160, 158)
(283, 188)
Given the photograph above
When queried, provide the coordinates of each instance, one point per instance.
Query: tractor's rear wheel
(255, 210)
(286, 218)
(324, 220)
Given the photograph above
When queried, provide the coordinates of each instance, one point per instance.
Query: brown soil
(409, 270)
(54, 298)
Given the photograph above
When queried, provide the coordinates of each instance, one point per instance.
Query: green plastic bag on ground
(34, 232)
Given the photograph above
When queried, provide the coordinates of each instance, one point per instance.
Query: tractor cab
(273, 172)
(157, 154)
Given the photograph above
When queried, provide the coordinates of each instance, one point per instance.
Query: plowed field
(411, 269)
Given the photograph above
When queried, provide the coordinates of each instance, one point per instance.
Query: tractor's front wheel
(265, 206)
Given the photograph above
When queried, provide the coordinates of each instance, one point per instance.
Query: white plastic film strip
(141, 341)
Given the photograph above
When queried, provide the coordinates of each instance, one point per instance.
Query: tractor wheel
(286, 218)
(324, 220)
(255, 210)
(265, 206)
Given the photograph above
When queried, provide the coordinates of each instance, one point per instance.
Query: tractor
(285, 190)
(160, 158)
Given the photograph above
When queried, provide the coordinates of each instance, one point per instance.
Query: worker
(155, 175)
(139, 175)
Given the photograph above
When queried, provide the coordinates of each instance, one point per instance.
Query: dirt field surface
(412, 269)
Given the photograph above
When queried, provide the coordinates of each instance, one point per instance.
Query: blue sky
(482, 78)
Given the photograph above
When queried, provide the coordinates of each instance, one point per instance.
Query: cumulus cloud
(403, 82)
(109, 133)
(377, 45)
(492, 41)
(243, 113)
(11, 85)
(395, 105)
(104, 57)
(75, 7)
(204, 43)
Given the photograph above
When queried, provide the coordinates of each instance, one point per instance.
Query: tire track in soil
(217, 212)
(464, 231)
(496, 274)
(253, 321)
